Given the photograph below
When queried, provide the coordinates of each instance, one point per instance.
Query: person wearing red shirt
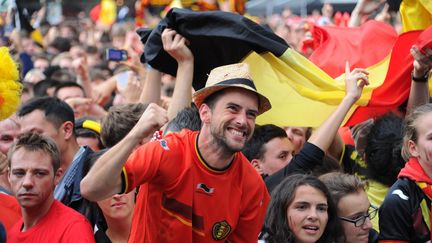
(200, 187)
(33, 171)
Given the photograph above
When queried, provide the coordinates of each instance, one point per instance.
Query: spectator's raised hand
(419, 92)
(175, 45)
(85, 106)
(132, 91)
(384, 15)
(133, 42)
(355, 80)
(101, 93)
(422, 61)
(80, 105)
(364, 8)
(368, 6)
(80, 66)
(153, 118)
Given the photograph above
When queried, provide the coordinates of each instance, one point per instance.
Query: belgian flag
(374, 45)
(301, 93)
(416, 14)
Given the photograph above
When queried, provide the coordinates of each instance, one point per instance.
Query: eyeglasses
(372, 212)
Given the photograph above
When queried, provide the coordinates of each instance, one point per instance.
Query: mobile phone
(122, 79)
(116, 55)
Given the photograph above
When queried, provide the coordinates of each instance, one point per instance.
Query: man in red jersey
(200, 186)
(34, 170)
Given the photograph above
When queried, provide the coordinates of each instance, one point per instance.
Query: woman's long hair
(276, 225)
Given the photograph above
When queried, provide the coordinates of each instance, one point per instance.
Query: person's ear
(205, 113)
(8, 171)
(68, 129)
(57, 176)
(412, 148)
(257, 166)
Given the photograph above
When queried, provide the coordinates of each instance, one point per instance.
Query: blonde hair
(411, 127)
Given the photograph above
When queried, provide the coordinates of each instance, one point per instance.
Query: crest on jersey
(203, 187)
(221, 230)
(164, 144)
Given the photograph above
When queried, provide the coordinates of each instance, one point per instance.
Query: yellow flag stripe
(416, 14)
(301, 93)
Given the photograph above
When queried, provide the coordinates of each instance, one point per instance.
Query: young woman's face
(354, 207)
(307, 214)
(423, 148)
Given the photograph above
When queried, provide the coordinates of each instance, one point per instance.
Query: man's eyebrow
(232, 103)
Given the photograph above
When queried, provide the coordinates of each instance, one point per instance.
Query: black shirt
(101, 237)
(401, 217)
(304, 162)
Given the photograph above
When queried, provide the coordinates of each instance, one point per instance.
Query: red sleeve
(151, 162)
(252, 217)
(10, 210)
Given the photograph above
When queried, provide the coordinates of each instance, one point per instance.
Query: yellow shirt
(376, 193)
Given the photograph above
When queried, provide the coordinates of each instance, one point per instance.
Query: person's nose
(367, 224)
(28, 182)
(241, 119)
(117, 196)
(312, 214)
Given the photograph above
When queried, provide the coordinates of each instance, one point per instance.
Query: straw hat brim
(200, 95)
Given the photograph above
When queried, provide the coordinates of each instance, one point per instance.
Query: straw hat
(229, 76)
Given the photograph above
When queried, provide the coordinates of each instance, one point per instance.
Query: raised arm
(354, 83)
(152, 87)
(104, 178)
(309, 156)
(419, 92)
(83, 76)
(175, 45)
(363, 8)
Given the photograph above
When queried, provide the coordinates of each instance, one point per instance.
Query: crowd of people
(103, 150)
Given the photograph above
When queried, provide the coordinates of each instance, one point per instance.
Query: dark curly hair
(383, 150)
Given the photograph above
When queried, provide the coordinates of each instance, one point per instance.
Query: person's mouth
(311, 229)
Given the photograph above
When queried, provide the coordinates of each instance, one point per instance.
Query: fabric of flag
(238, 6)
(173, 4)
(108, 12)
(216, 38)
(424, 40)
(397, 82)
(334, 45)
(95, 12)
(301, 93)
(396, 66)
(105, 12)
(416, 14)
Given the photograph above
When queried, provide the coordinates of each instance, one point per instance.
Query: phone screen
(116, 55)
